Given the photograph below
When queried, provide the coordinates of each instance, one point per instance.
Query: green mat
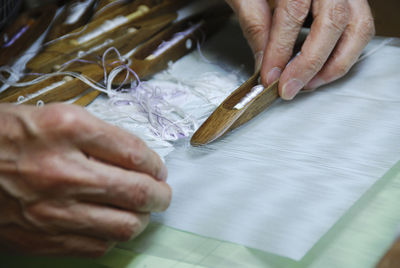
(359, 239)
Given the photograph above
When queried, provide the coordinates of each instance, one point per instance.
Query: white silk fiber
(186, 93)
(279, 183)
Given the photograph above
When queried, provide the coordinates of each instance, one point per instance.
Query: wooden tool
(67, 49)
(145, 63)
(391, 258)
(240, 107)
(62, 27)
(91, 38)
(134, 33)
(56, 90)
(125, 43)
(24, 32)
(102, 3)
(88, 98)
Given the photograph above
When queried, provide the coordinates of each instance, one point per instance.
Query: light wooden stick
(88, 98)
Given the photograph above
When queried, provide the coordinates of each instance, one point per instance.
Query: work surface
(357, 240)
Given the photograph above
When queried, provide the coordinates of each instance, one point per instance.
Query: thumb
(255, 21)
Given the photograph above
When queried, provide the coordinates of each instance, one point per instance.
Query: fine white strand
(107, 26)
(384, 43)
(103, 9)
(165, 45)
(86, 26)
(76, 11)
(24, 99)
(44, 77)
(83, 53)
(254, 92)
(258, 89)
(66, 36)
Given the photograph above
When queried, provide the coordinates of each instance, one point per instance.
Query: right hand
(339, 32)
(72, 185)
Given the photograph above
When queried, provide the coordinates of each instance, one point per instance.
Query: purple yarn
(16, 36)
(77, 60)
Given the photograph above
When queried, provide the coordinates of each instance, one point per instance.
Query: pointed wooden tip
(228, 117)
(215, 126)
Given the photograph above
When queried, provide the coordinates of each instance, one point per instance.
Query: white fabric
(280, 182)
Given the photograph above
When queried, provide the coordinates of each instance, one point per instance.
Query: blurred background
(387, 19)
(9, 8)
(385, 12)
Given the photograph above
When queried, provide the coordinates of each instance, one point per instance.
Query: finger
(325, 32)
(288, 18)
(72, 175)
(255, 21)
(113, 145)
(18, 240)
(99, 139)
(130, 190)
(355, 38)
(105, 223)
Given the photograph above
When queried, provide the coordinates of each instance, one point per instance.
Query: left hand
(340, 31)
(71, 184)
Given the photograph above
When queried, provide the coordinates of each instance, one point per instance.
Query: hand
(71, 184)
(340, 31)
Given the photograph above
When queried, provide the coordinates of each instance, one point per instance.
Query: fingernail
(315, 83)
(273, 75)
(258, 61)
(163, 174)
(291, 88)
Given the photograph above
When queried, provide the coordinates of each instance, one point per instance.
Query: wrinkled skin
(71, 184)
(339, 32)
